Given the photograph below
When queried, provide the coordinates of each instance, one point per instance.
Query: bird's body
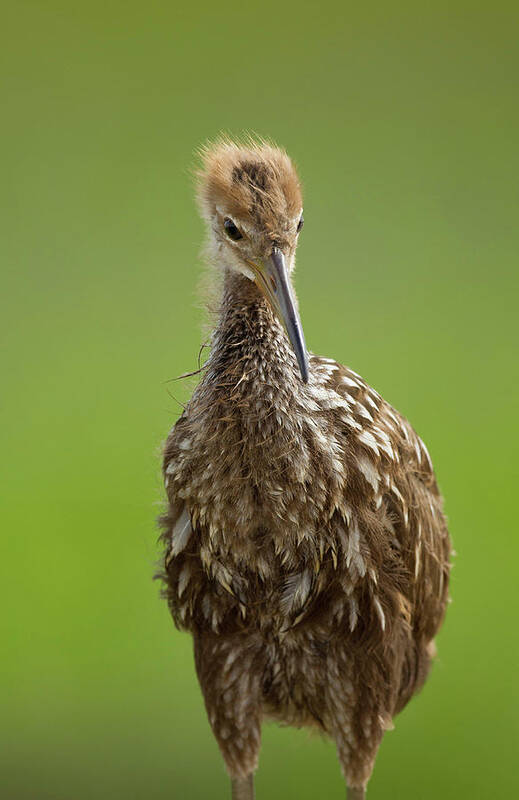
(305, 544)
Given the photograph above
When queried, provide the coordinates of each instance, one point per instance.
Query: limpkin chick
(305, 544)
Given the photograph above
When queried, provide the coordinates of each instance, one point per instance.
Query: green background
(403, 119)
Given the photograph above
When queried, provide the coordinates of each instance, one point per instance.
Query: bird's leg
(230, 671)
(243, 788)
(355, 793)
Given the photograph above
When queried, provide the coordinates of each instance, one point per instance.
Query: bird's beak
(272, 278)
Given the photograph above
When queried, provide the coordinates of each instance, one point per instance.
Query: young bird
(306, 548)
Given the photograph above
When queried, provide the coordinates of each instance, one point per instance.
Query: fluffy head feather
(255, 184)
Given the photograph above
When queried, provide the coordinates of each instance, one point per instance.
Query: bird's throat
(249, 343)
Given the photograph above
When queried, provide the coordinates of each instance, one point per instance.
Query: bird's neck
(249, 343)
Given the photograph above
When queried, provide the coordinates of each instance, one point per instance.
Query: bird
(305, 546)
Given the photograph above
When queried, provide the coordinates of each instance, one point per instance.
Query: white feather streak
(183, 579)
(363, 411)
(369, 471)
(381, 616)
(353, 554)
(181, 533)
(369, 440)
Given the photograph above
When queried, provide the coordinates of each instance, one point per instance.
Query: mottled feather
(305, 543)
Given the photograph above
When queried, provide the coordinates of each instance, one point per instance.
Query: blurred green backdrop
(403, 118)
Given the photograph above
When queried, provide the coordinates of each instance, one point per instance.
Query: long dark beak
(276, 285)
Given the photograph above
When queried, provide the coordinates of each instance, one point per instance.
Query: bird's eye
(300, 223)
(231, 230)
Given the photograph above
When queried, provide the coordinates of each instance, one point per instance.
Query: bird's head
(250, 198)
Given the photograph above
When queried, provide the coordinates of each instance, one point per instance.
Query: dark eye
(300, 223)
(231, 230)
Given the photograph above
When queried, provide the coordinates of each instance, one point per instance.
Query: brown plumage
(305, 544)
